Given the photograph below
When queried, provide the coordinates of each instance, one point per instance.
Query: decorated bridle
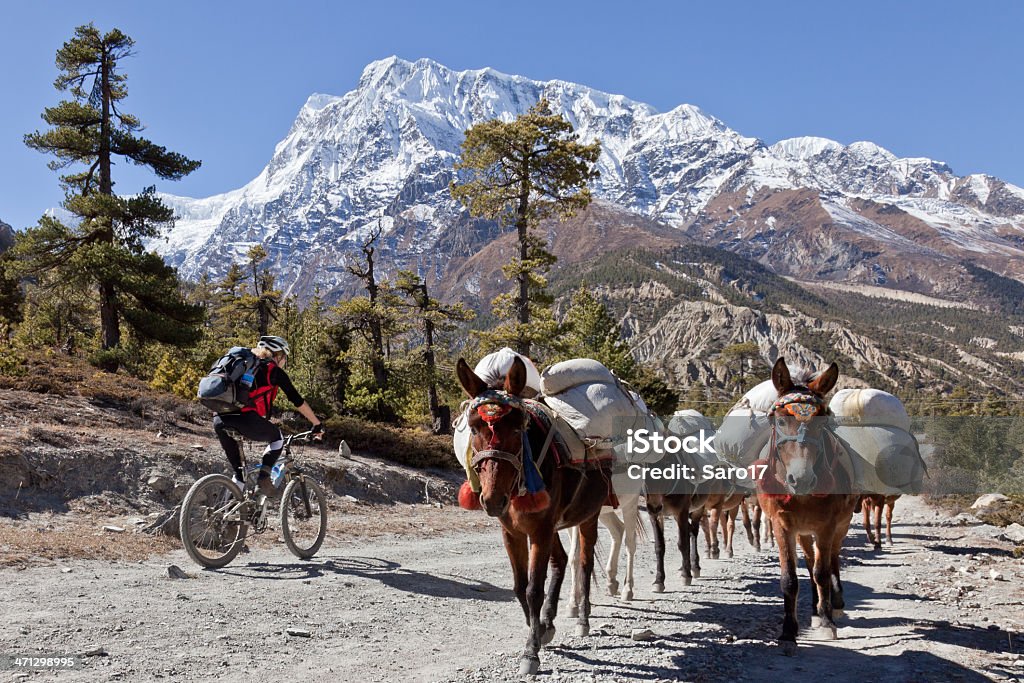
(492, 405)
(804, 405)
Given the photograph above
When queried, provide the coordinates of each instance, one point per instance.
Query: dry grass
(44, 540)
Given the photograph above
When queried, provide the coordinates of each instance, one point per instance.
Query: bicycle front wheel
(303, 517)
(212, 523)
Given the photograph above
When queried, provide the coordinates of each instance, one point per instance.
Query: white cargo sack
(869, 407)
(589, 397)
(493, 368)
(689, 422)
(746, 429)
(875, 428)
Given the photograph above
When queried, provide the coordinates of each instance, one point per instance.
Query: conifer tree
(106, 247)
(263, 300)
(433, 316)
(376, 319)
(519, 173)
(594, 333)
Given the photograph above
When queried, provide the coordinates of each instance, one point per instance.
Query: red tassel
(532, 502)
(468, 498)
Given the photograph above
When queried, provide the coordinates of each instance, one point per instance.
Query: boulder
(988, 500)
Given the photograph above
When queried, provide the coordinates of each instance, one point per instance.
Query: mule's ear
(473, 385)
(515, 380)
(780, 376)
(823, 383)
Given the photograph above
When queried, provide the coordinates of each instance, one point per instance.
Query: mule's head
(497, 422)
(799, 418)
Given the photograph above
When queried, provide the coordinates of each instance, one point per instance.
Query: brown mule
(501, 427)
(806, 497)
(875, 502)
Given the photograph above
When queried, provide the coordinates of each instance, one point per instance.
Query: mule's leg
(865, 507)
(807, 544)
(654, 512)
(540, 553)
(729, 530)
(575, 578)
(558, 563)
(790, 587)
(745, 512)
(714, 517)
(890, 505)
(838, 603)
(518, 550)
(614, 525)
(588, 539)
(630, 519)
(823, 582)
(757, 527)
(878, 525)
(685, 526)
(696, 520)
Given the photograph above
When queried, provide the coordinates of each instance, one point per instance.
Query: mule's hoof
(838, 613)
(687, 580)
(528, 666)
(574, 612)
(788, 647)
(878, 546)
(696, 574)
(658, 588)
(627, 595)
(826, 633)
(728, 553)
(548, 636)
(582, 630)
(815, 621)
(613, 588)
(714, 554)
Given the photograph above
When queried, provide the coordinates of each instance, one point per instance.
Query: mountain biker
(252, 421)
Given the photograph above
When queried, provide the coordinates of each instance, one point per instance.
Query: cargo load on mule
(689, 422)
(746, 428)
(598, 407)
(875, 429)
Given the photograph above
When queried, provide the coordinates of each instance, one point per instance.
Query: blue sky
(222, 81)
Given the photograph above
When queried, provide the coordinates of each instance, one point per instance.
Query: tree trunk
(109, 323)
(523, 300)
(110, 329)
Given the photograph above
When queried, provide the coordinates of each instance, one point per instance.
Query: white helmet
(274, 344)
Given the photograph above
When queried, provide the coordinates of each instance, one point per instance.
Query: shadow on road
(391, 574)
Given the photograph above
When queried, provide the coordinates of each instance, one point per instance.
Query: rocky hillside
(682, 307)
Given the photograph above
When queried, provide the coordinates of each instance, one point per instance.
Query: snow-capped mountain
(384, 151)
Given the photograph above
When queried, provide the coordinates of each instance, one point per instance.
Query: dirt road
(439, 607)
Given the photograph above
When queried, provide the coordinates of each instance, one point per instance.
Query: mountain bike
(217, 516)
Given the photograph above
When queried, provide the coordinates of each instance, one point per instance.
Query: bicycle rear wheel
(303, 517)
(212, 523)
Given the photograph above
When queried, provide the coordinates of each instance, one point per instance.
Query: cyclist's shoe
(267, 487)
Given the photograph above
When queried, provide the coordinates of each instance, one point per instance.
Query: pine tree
(519, 173)
(105, 248)
(263, 301)
(594, 333)
(433, 317)
(375, 317)
(12, 299)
